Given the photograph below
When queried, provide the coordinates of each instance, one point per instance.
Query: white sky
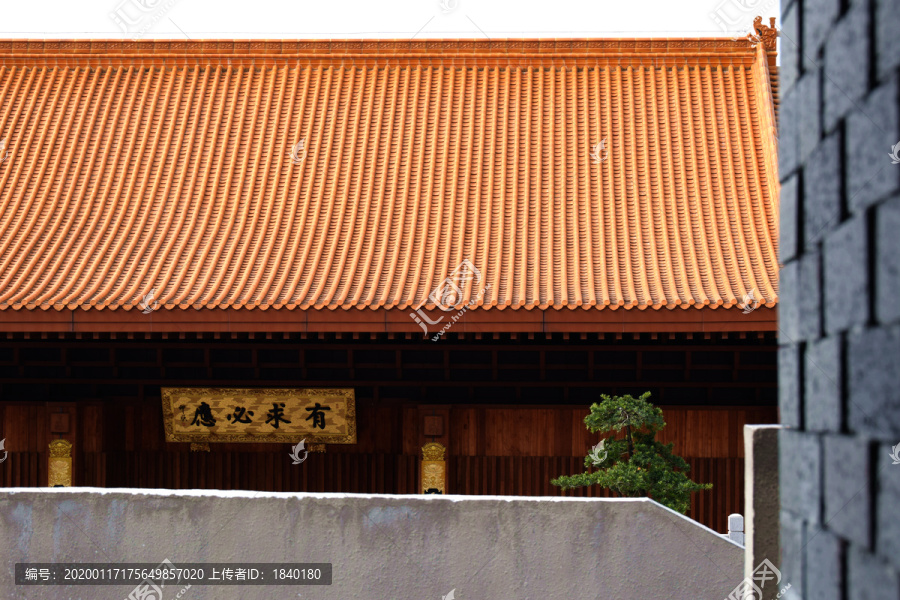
(224, 19)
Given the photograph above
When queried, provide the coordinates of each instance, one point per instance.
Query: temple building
(476, 238)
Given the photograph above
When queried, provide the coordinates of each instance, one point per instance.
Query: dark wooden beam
(392, 321)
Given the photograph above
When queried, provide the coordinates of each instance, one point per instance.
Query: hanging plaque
(203, 415)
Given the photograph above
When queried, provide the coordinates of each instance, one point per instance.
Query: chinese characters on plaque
(325, 416)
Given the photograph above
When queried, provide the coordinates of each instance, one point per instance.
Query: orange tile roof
(166, 166)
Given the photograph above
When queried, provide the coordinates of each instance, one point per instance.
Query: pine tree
(635, 465)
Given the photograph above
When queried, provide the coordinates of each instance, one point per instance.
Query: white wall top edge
(299, 495)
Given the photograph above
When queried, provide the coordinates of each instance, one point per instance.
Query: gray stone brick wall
(839, 360)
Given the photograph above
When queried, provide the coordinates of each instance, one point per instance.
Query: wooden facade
(510, 412)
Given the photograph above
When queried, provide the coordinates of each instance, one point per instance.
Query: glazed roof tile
(570, 173)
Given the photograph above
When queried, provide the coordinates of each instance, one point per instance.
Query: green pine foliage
(635, 464)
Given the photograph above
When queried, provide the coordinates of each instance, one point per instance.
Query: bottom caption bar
(168, 574)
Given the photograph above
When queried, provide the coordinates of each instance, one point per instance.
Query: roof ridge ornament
(765, 34)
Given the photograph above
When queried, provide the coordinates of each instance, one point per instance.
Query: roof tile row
(334, 185)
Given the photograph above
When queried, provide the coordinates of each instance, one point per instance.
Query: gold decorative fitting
(316, 447)
(199, 447)
(433, 451)
(433, 477)
(60, 449)
(59, 464)
(767, 34)
(434, 469)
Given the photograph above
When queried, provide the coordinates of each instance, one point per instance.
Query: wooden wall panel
(23, 469)
(90, 422)
(521, 431)
(464, 430)
(362, 473)
(26, 427)
(531, 431)
(410, 428)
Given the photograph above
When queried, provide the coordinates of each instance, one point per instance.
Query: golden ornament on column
(59, 464)
(434, 469)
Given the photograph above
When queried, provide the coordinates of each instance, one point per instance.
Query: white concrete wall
(382, 547)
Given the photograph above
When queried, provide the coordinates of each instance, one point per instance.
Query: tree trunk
(630, 442)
